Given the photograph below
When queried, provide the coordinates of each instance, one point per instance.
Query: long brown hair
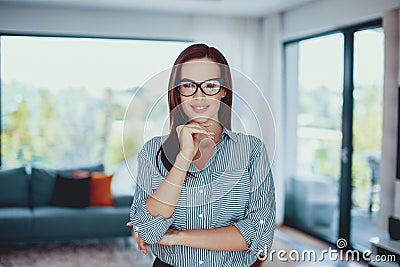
(170, 148)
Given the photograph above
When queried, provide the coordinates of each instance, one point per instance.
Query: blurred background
(69, 70)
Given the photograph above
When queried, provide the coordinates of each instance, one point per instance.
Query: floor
(363, 223)
(363, 227)
(293, 241)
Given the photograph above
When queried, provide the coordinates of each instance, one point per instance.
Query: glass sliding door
(334, 93)
(367, 134)
(316, 97)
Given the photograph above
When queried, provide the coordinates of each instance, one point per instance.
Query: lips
(199, 108)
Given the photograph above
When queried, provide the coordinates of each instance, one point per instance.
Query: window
(63, 100)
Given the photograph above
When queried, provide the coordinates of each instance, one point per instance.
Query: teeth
(200, 108)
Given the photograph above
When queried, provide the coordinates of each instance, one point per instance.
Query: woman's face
(201, 107)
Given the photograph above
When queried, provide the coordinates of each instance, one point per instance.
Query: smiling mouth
(199, 109)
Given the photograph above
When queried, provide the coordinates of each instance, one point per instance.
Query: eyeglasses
(209, 87)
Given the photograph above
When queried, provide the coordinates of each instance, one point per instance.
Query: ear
(223, 93)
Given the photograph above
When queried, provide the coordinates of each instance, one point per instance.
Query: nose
(199, 93)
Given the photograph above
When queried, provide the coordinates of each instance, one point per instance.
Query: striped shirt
(234, 188)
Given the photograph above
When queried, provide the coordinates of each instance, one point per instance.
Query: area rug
(105, 252)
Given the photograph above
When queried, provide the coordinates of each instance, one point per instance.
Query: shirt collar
(229, 133)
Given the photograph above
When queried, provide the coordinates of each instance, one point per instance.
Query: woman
(205, 194)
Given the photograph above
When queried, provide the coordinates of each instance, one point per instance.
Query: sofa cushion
(60, 223)
(14, 187)
(42, 185)
(16, 224)
(43, 181)
(71, 192)
(123, 200)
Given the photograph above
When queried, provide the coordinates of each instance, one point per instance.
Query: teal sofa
(26, 213)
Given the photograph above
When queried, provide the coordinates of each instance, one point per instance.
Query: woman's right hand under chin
(189, 137)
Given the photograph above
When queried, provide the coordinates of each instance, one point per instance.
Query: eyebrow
(187, 79)
(190, 80)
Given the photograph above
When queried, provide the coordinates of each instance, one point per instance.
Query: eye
(212, 85)
(189, 85)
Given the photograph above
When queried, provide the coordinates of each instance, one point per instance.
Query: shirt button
(201, 215)
(261, 221)
(201, 191)
(201, 262)
(136, 229)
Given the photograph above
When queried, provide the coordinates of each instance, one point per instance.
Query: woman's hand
(142, 246)
(170, 238)
(190, 136)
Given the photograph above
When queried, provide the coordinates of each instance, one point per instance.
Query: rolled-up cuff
(247, 230)
(150, 228)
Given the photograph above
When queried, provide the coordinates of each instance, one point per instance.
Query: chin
(200, 119)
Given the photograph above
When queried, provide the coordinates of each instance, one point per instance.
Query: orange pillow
(100, 190)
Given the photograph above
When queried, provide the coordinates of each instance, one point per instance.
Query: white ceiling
(243, 8)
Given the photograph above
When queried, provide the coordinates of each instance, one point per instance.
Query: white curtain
(253, 47)
(269, 77)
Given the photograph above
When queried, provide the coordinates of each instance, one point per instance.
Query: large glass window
(63, 99)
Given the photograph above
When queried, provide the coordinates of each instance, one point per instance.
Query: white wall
(23, 19)
(390, 118)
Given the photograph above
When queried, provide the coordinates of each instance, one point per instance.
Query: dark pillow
(43, 181)
(14, 187)
(71, 192)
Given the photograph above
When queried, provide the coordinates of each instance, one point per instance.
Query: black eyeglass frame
(198, 85)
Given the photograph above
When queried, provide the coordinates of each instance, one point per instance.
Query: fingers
(193, 128)
(202, 125)
(142, 245)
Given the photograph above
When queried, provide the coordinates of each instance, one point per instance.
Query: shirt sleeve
(150, 228)
(258, 225)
